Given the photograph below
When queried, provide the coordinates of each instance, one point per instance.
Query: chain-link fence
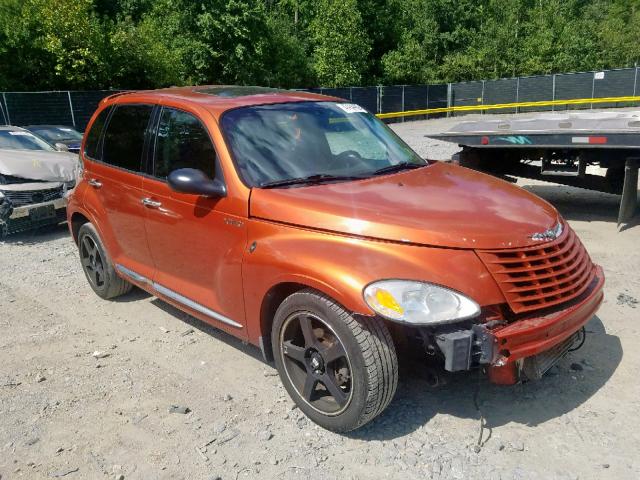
(75, 107)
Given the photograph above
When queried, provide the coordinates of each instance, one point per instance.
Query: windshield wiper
(308, 180)
(398, 167)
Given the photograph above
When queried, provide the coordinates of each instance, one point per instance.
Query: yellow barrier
(497, 106)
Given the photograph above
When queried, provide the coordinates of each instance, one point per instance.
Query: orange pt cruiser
(303, 225)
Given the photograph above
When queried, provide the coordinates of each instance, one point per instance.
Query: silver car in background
(34, 181)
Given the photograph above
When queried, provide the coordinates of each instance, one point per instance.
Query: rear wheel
(341, 371)
(97, 266)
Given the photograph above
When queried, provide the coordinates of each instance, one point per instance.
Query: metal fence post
(482, 98)
(2, 110)
(635, 82)
(553, 92)
(8, 118)
(73, 117)
(403, 102)
(517, 93)
(351, 94)
(593, 88)
(449, 98)
(427, 107)
(379, 87)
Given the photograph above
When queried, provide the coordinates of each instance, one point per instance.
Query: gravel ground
(135, 389)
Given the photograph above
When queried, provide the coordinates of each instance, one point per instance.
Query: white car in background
(34, 181)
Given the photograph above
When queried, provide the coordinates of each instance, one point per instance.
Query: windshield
(22, 140)
(274, 143)
(57, 134)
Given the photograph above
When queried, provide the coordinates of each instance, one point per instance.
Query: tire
(97, 265)
(342, 372)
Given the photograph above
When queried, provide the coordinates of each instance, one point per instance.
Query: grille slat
(554, 279)
(537, 277)
(29, 197)
(554, 261)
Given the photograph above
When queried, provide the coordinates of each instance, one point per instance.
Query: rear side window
(93, 135)
(182, 142)
(124, 138)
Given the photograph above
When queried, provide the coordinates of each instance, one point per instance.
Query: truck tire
(340, 370)
(97, 265)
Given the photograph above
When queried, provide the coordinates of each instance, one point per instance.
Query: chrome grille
(541, 276)
(30, 197)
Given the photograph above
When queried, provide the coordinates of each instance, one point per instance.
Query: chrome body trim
(177, 297)
(194, 305)
(133, 275)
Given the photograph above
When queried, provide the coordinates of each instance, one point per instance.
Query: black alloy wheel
(92, 262)
(97, 266)
(316, 363)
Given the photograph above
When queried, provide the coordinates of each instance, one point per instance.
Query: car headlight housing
(418, 303)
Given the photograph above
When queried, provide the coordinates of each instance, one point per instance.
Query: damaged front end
(33, 188)
(514, 348)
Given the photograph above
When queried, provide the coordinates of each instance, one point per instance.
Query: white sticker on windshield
(26, 134)
(66, 129)
(351, 108)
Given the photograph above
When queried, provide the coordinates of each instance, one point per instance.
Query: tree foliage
(90, 44)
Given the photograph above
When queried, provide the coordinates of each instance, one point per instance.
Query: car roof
(12, 128)
(47, 126)
(219, 98)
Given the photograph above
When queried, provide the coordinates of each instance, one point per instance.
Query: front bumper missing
(21, 219)
(524, 349)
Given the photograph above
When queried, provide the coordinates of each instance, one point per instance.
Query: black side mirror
(196, 182)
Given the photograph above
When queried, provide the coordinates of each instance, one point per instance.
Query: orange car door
(196, 247)
(114, 172)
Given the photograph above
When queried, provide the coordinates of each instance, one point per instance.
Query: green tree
(340, 45)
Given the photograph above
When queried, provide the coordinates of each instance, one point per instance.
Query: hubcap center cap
(316, 362)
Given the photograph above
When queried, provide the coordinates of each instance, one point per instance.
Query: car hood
(439, 205)
(39, 165)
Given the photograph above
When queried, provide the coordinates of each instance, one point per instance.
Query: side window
(93, 136)
(124, 138)
(182, 142)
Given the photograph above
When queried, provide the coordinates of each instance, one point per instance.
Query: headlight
(418, 303)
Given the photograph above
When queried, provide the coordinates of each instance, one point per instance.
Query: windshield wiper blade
(398, 167)
(308, 180)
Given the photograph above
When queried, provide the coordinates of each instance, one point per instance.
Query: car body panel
(197, 248)
(341, 266)
(39, 165)
(441, 205)
(116, 201)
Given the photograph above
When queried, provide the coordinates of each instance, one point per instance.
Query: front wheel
(342, 372)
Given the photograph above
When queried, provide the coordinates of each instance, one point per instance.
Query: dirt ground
(86, 386)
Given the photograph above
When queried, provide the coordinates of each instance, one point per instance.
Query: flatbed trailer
(557, 148)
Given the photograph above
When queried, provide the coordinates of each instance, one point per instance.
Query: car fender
(341, 266)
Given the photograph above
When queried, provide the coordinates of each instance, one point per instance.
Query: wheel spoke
(99, 274)
(336, 392)
(89, 246)
(309, 387)
(307, 330)
(293, 351)
(334, 352)
(96, 277)
(86, 262)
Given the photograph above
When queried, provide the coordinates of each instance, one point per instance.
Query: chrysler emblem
(548, 235)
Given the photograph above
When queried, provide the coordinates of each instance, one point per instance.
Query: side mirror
(196, 182)
(61, 147)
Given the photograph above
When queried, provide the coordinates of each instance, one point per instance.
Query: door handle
(95, 183)
(147, 202)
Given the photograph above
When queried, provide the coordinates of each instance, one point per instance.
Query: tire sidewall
(312, 303)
